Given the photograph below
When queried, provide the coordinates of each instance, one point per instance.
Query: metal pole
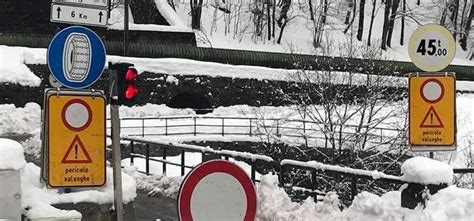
(125, 28)
(115, 123)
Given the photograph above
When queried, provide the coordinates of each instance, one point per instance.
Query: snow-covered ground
(37, 199)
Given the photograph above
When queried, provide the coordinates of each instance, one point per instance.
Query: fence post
(252, 173)
(381, 135)
(182, 161)
(250, 127)
(222, 126)
(166, 126)
(143, 127)
(354, 187)
(278, 128)
(282, 176)
(194, 118)
(147, 160)
(164, 163)
(314, 185)
(131, 153)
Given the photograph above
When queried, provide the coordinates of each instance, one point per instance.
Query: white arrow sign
(78, 15)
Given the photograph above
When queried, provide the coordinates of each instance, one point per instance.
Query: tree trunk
(348, 14)
(454, 18)
(467, 28)
(273, 18)
(388, 5)
(311, 13)
(353, 17)
(269, 27)
(392, 22)
(402, 30)
(281, 31)
(325, 9)
(196, 9)
(360, 28)
(372, 17)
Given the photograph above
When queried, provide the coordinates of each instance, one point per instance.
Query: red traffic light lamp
(123, 78)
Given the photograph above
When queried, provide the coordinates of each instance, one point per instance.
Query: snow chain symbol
(77, 59)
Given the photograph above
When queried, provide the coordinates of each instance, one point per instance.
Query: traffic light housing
(123, 79)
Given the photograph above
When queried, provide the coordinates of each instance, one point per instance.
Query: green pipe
(253, 58)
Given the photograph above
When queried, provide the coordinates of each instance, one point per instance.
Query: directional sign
(72, 14)
(431, 47)
(432, 107)
(75, 138)
(217, 190)
(99, 3)
(76, 57)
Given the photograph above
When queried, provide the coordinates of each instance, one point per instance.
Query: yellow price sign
(432, 110)
(76, 139)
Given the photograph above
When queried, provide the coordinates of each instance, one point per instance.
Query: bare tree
(196, 10)
(392, 22)
(388, 5)
(467, 28)
(372, 17)
(360, 28)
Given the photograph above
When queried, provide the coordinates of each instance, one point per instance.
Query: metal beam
(253, 58)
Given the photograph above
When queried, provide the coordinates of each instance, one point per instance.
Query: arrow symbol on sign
(100, 16)
(59, 11)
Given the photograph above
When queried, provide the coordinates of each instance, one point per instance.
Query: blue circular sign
(76, 57)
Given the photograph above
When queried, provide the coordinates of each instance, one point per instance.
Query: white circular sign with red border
(217, 190)
(432, 90)
(76, 115)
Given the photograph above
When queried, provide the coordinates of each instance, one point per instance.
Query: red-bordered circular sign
(432, 91)
(76, 115)
(210, 186)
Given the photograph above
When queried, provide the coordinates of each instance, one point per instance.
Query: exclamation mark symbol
(431, 117)
(75, 147)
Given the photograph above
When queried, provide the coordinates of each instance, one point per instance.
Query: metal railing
(281, 168)
(301, 130)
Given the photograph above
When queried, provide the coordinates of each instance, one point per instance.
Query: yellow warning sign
(75, 139)
(432, 110)
(431, 120)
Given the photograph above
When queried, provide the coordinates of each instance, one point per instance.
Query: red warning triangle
(76, 153)
(431, 120)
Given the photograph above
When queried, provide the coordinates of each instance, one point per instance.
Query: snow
(11, 157)
(13, 69)
(19, 120)
(37, 199)
(426, 171)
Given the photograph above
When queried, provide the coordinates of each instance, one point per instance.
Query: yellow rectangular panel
(76, 140)
(432, 110)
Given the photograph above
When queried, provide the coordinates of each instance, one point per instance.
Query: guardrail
(301, 130)
(281, 168)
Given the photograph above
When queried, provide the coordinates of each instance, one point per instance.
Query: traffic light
(123, 78)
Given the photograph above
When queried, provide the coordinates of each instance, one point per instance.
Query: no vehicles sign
(75, 138)
(432, 108)
(217, 190)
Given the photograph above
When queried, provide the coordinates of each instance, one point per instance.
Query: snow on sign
(217, 190)
(76, 57)
(431, 47)
(432, 111)
(75, 138)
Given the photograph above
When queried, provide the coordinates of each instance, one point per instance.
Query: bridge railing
(281, 168)
(300, 131)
